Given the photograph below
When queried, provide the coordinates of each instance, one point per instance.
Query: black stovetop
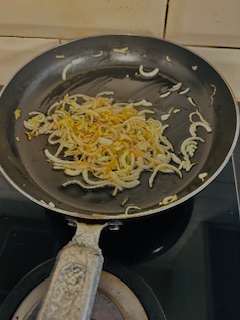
(194, 273)
(197, 278)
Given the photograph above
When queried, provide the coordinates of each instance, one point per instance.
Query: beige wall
(211, 28)
(69, 19)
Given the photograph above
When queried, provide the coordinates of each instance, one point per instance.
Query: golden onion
(110, 144)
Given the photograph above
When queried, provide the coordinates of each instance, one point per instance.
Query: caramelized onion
(101, 143)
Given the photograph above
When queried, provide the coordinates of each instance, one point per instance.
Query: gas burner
(122, 294)
(110, 289)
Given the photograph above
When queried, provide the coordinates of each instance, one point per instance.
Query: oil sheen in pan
(127, 87)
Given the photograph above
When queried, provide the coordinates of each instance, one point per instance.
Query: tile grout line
(28, 37)
(209, 46)
(164, 36)
(165, 21)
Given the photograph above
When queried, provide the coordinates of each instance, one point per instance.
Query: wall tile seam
(30, 38)
(210, 46)
(206, 46)
(60, 40)
(166, 19)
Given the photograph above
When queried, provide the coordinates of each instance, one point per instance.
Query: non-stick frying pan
(97, 66)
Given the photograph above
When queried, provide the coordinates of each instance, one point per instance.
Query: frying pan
(97, 66)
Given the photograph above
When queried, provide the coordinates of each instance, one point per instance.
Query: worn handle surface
(75, 277)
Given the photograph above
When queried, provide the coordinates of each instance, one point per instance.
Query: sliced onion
(194, 125)
(176, 86)
(89, 187)
(56, 159)
(122, 50)
(146, 111)
(202, 176)
(175, 158)
(188, 141)
(129, 208)
(72, 172)
(168, 200)
(110, 144)
(69, 65)
(99, 54)
(65, 70)
(165, 116)
(148, 74)
(105, 141)
(165, 94)
(189, 167)
(168, 59)
(213, 94)
(162, 168)
(176, 110)
(105, 93)
(143, 103)
(190, 99)
(122, 183)
(184, 91)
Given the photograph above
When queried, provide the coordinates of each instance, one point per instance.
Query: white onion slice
(143, 103)
(165, 94)
(168, 59)
(68, 66)
(84, 186)
(168, 200)
(98, 54)
(188, 141)
(190, 99)
(146, 74)
(127, 211)
(165, 116)
(65, 70)
(194, 125)
(176, 86)
(121, 50)
(105, 93)
(163, 168)
(105, 141)
(124, 184)
(202, 176)
(184, 91)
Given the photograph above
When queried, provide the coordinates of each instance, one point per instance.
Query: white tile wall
(204, 22)
(77, 18)
(227, 62)
(15, 52)
(203, 25)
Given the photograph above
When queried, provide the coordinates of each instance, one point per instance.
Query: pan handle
(75, 277)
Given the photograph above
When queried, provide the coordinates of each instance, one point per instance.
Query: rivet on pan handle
(75, 277)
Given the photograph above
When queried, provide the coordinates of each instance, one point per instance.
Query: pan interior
(37, 177)
(125, 89)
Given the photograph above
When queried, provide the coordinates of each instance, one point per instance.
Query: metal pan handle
(75, 277)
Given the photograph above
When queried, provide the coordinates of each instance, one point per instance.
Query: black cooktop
(189, 257)
(197, 277)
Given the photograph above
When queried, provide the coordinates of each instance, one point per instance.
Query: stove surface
(199, 277)
(190, 280)
(196, 277)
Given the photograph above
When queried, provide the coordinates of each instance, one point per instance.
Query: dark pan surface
(40, 83)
